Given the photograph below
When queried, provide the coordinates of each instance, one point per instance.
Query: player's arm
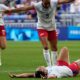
(23, 75)
(65, 1)
(4, 7)
(17, 10)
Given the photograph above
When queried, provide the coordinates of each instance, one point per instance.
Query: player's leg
(2, 40)
(43, 38)
(75, 67)
(64, 55)
(78, 62)
(2, 37)
(53, 43)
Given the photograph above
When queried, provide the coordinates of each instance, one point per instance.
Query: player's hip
(51, 35)
(48, 27)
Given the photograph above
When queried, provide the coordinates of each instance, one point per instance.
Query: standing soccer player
(2, 30)
(46, 25)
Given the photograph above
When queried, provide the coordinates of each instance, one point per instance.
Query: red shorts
(52, 35)
(73, 66)
(2, 31)
(62, 63)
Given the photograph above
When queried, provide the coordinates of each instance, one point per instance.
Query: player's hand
(12, 75)
(43, 77)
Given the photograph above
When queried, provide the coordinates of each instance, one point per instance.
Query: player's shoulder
(49, 67)
(1, 4)
(37, 3)
(54, 1)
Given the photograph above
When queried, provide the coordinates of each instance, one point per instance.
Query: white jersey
(46, 17)
(59, 71)
(2, 7)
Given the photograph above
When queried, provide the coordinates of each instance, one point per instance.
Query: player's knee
(65, 48)
(54, 48)
(46, 48)
(3, 47)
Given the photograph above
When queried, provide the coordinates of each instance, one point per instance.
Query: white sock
(54, 57)
(0, 58)
(47, 57)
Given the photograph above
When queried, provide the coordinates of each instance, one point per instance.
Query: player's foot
(12, 75)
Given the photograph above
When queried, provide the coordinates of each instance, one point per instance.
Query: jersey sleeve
(54, 1)
(36, 5)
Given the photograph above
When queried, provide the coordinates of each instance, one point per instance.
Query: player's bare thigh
(2, 37)
(52, 37)
(64, 55)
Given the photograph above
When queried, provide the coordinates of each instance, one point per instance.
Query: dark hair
(7, 2)
(39, 74)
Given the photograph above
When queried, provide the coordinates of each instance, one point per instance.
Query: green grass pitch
(26, 56)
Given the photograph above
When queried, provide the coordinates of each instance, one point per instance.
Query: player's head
(41, 72)
(46, 3)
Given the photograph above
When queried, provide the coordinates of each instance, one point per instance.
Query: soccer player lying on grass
(63, 68)
(46, 25)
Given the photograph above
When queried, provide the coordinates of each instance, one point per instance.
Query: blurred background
(22, 26)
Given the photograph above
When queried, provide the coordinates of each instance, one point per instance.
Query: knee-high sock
(47, 57)
(54, 57)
